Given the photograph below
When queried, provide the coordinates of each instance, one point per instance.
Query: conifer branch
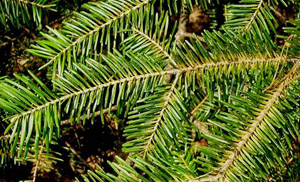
(37, 4)
(249, 24)
(162, 112)
(220, 175)
(82, 37)
(165, 52)
(149, 75)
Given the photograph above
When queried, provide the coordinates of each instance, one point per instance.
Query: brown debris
(198, 21)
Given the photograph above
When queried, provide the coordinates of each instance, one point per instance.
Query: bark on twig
(77, 155)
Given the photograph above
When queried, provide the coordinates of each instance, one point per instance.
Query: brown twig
(63, 17)
(38, 162)
(10, 40)
(98, 113)
(197, 123)
(277, 13)
(77, 155)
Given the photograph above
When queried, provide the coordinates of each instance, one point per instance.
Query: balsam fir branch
(220, 106)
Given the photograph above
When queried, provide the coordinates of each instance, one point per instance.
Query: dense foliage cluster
(201, 90)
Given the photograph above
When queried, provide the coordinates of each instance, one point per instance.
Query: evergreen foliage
(223, 106)
(24, 12)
